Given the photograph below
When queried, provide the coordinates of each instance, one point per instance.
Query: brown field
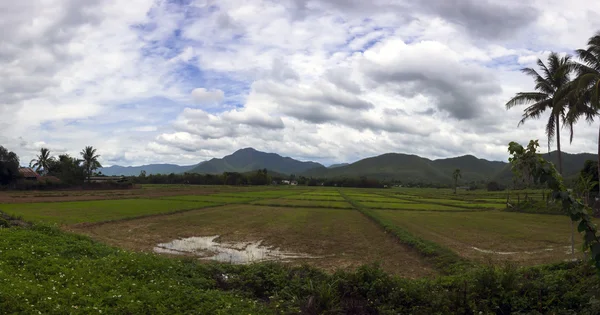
(341, 239)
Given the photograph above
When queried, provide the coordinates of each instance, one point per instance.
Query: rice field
(313, 220)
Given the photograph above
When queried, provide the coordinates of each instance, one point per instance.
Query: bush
(494, 186)
(4, 223)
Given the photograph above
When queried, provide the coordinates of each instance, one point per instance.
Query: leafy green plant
(527, 161)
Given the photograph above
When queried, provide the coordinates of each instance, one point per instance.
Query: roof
(28, 172)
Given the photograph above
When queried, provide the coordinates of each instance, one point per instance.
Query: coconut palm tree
(90, 160)
(456, 175)
(552, 90)
(587, 85)
(42, 161)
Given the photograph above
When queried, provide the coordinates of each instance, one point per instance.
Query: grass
(315, 197)
(337, 238)
(44, 270)
(523, 238)
(304, 203)
(211, 198)
(411, 206)
(444, 259)
(96, 211)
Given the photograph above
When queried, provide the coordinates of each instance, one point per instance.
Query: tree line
(69, 170)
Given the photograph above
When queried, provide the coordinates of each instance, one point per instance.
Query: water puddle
(549, 249)
(208, 248)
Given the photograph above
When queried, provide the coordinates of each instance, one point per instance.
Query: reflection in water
(237, 253)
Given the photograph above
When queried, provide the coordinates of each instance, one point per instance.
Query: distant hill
(117, 170)
(390, 166)
(412, 168)
(572, 164)
(249, 159)
(337, 165)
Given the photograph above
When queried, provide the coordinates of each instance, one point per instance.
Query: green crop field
(460, 222)
(524, 238)
(216, 198)
(315, 197)
(95, 211)
(411, 206)
(304, 203)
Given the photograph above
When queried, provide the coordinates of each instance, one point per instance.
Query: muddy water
(207, 247)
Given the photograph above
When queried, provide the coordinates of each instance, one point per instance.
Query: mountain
(249, 159)
(412, 168)
(337, 165)
(572, 164)
(117, 170)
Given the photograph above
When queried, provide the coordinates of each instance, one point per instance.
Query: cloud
(431, 69)
(204, 96)
(331, 80)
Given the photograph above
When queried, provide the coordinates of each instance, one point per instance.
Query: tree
(9, 166)
(42, 161)
(544, 172)
(67, 169)
(494, 186)
(584, 186)
(456, 175)
(590, 170)
(552, 90)
(587, 84)
(90, 161)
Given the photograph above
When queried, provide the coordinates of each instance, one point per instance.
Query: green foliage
(9, 166)
(52, 272)
(90, 160)
(494, 186)
(99, 210)
(527, 161)
(4, 223)
(590, 171)
(42, 162)
(67, 169)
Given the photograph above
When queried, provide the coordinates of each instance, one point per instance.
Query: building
(29, 174)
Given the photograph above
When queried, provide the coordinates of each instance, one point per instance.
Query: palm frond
(525, 98)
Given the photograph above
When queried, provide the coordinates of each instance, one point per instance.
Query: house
(285, 182)
(293, 183)
(28, 174)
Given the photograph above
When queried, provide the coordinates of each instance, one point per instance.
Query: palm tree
(42, 161)
(587, 85)
(90, 160)
(456, 175)
(552, 87)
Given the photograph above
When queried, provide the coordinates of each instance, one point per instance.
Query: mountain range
(249, 159)
(117, 170)
(389, 166)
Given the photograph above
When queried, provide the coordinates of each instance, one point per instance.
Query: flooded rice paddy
(208, 248)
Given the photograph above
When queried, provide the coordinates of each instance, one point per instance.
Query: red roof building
(28, 173)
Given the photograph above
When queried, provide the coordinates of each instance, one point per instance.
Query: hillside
(249, 159)
(412, 168)
(572, 164)
(337, 165)
(117, 170)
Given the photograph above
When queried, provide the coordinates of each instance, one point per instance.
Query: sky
(331, 81)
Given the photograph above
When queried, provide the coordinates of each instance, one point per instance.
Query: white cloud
(326, 80)
(204, 96)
